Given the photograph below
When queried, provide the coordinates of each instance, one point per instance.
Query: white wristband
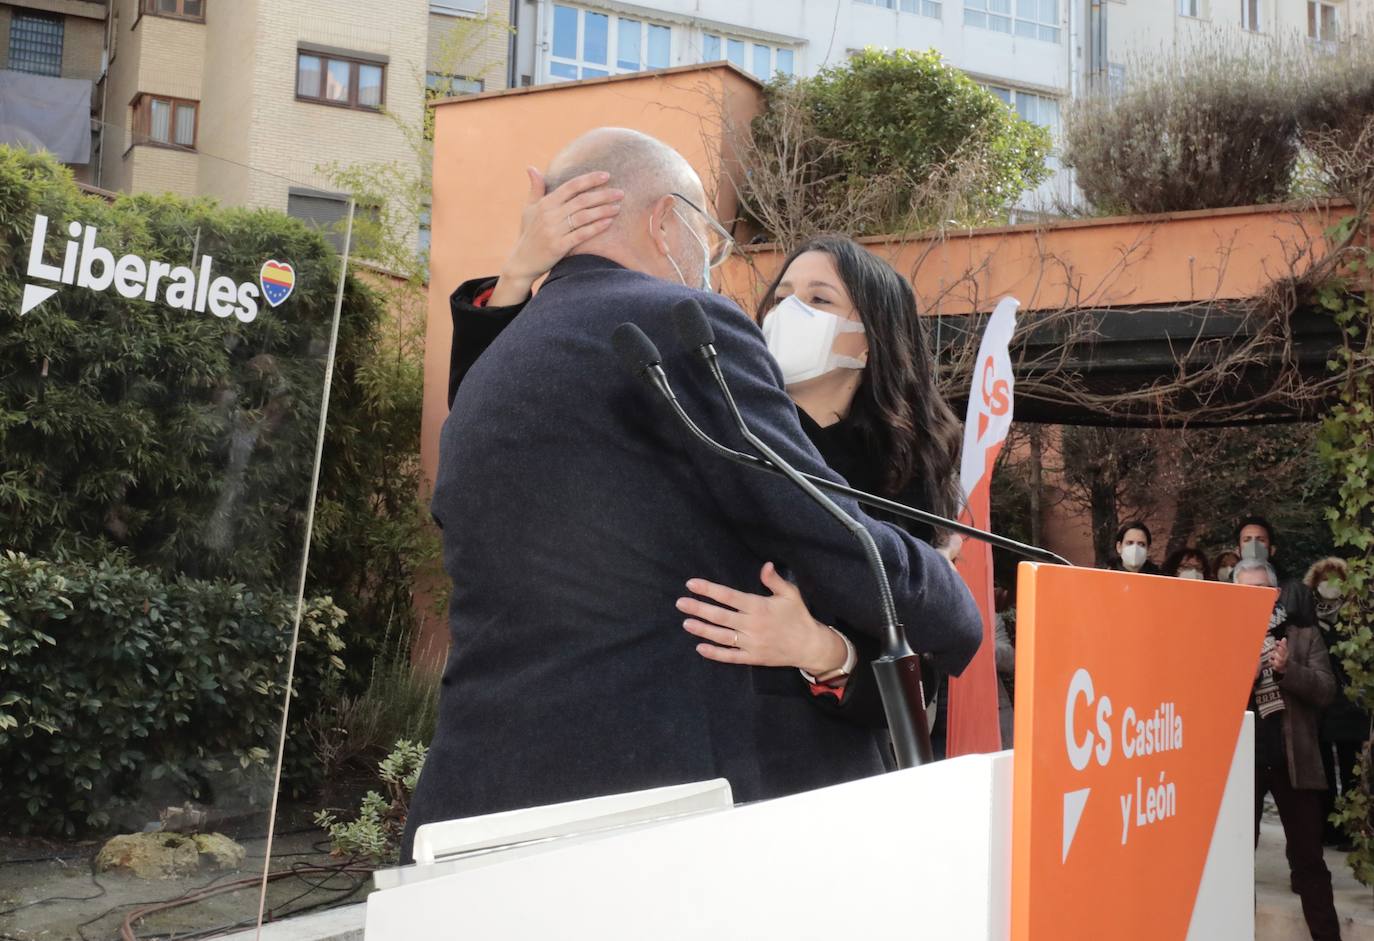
(851, 660)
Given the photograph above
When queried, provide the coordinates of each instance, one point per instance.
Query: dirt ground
(50, 892)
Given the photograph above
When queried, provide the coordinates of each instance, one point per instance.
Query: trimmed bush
(113, 678)
(885, 141)
(1197, 129)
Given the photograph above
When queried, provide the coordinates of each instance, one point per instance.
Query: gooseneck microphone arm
(1022, 549)
(898, 670)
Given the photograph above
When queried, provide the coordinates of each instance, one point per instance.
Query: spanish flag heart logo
(278, 279)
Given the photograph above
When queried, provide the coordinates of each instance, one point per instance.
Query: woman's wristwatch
(851, 660)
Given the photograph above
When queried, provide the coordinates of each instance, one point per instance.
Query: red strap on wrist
(481, 300)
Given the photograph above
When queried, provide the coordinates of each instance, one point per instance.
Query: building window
(446, 85)
(1250, 15)
(587, 44)
(1037, 109)
(1189, 8)
(458, 7)
(1033, 19)
(759, 59)
(162, 120)
(923, 7)
(1116, 80)
(36, 43)
(1322, 21)
(335, 80)
(183, 9)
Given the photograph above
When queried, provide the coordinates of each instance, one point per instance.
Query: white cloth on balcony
(54, 114)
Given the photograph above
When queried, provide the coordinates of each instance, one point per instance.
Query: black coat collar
(577, 264)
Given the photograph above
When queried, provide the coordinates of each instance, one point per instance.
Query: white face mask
(705, 257)
(1190, 573)
(802, 338)
(1329, 590)
(1254, 549)
(1224, 573)
(1133, 557)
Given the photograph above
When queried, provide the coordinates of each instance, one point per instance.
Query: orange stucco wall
(1220, 254)
(482, 144)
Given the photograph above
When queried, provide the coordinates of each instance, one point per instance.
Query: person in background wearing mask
(845, 331)
(1293, 683)
(1345, 726)
(1224, 564)
(1133, 550)
(1188, 563)
(1255, 540)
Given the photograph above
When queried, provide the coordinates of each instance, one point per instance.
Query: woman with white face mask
(849, 343)
(1133, 550)
(1188, 563)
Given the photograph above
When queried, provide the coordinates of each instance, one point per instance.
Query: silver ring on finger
(571, 227)
(735, 642)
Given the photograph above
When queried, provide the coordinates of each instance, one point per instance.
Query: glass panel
(159, 128)
(1026, 9)
(167, 6)
(194, 7)
(1312, 20)
(975, 4)
(762, 56)
(565, 32)
(595, 35)
(1002, 93)
(308, 76)
(370, 86)
(628, 34)
(974, 18)
(999, 6)
(171, 545)
(1049, 12)
(660, 47)
(1049, 33)
(785, 59)
(710, 49)
(1025, 28)
(594, 73)
(1001, 24)
(562, 70)
(186, 125)
(931, 8)
(735, 52)
(336, 80)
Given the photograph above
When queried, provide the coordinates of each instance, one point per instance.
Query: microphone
(898, 670)
(695, 333)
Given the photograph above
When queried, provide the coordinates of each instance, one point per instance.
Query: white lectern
(922, 853)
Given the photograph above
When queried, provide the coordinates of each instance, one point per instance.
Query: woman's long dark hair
(897, 409)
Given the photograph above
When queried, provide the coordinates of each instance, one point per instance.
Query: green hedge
(187, 441)
(112, 678)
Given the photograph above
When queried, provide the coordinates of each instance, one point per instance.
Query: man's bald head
(653, 233)
(643, 166)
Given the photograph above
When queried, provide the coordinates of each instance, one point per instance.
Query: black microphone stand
(898, 670)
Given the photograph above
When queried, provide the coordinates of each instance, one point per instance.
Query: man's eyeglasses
(719, 243)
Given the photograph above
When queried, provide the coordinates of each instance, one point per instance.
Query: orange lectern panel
(1130, 690)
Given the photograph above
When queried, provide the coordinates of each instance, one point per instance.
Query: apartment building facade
(51, 55)
(1036, 55)
(252, 102)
